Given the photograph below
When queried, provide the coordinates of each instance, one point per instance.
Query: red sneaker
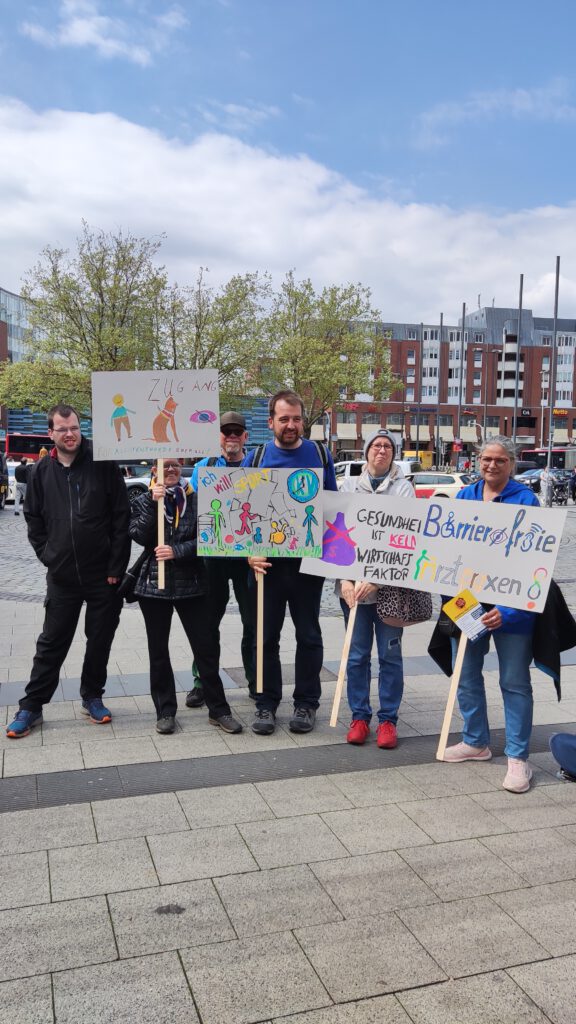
(358, 732)
(386, 736)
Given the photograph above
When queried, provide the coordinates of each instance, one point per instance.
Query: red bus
(18, 445)
(562, 458)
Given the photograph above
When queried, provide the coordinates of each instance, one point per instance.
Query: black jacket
(185, 575)
(78, 518)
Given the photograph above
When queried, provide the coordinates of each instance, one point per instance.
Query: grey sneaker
(166, 725)
(264, 722)
(303, 720)
(226, 722)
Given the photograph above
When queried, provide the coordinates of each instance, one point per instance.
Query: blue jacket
(514, 620)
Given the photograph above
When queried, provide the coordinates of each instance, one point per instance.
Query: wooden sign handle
(343, 664)
(451, 697)
(161, 565)
(259, 632)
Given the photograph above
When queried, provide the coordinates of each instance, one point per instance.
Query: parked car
(353, 467)
(439, 485)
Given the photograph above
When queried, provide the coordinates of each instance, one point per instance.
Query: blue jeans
(390, 672)
(514, 652)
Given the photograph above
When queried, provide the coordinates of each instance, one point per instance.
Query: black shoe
(252, 691)
(264, 722)
(195, 697)
(166, 725)
(565, 776)
(302, 720)
(226, 722)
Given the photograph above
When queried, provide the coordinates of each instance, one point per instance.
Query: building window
(445, 420)
(477, 359)
(394, 419)
(412, 335)
(409, 394)
(476, 395)
(371, 417)
(346, 417)
(423, 418)
(546, 340)
(467, 421)
(493, 422)
(478, 339)
(411, 355)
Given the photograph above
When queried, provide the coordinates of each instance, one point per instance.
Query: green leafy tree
(223, 328)
(325, 345)
(93, 309)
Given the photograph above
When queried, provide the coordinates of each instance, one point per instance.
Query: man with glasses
(78, 514)
(221, 571)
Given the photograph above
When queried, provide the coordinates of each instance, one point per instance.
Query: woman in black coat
(184, 592)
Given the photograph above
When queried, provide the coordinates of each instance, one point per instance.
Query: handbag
(398, 606)
(130, 577)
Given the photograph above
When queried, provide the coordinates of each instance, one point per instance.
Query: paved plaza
(242, 879)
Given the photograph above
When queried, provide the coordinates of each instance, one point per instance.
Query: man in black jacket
(21, 478)
(78, 514)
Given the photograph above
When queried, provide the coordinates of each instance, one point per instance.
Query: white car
(439, 485)
(353, 467)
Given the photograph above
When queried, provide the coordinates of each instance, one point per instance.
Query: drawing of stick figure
(217, 520)
(245, 517)
(257, 535)
(120, 416)
(309, 518)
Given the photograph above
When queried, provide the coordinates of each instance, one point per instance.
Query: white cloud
(550, 103)
(235, 207)
(81, 24)
(237, 118)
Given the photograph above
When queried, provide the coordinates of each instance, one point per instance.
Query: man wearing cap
(220, 571)
(379, 476)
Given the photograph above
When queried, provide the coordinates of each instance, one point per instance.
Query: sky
(426, 150)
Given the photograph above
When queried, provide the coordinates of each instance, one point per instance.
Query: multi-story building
(496, 382)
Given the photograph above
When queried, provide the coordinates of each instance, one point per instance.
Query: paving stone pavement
(202, 877)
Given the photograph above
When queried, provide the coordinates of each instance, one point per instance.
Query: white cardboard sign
(504, 554)
(154, 414)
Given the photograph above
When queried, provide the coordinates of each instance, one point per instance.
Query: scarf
(175, 501)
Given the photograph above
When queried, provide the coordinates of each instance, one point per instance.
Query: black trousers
(63, 605)
(195, 616)
(220, 572)
(284, 586)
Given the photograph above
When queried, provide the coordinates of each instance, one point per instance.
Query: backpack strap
(258, 455)
(212, 460)
(321, 449)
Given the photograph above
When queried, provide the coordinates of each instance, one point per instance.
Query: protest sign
(156, 413)
(504, 554)
(275, 513)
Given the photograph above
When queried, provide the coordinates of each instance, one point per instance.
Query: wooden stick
(161, 565)
(259, 632)
(451, 697)
(343, 664)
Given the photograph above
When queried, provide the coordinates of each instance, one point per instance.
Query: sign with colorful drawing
(504, 554)
(271, 512)
(152, 414)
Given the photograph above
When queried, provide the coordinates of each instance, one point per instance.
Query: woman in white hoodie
(382, 476)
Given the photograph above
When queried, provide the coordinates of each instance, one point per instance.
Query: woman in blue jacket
(511, 630)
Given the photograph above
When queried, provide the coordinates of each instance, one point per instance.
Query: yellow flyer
(466, 611)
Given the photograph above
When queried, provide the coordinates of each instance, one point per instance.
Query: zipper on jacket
(72, 524)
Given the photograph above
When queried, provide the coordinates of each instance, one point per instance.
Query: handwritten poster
(271, 512)
(153, 414)
(504, 554)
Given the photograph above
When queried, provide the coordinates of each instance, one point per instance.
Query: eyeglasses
(381, 448)
(172, 465)
(232, 431)
(497, 462)
(66, 430)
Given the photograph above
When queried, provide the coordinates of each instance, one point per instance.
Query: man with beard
(284, 584)
(221, 571)
(77, 513)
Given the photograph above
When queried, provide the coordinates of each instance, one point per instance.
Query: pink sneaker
(464, 752)
(518, 776)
